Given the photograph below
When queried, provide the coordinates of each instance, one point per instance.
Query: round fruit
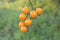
(22, 17)
(21, 24)
(33, 14)
(26, 10)
(28, 22)
(39, 11)
(24, 29)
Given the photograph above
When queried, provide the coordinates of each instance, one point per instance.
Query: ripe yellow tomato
(21, 24)
(24, 29)
(28, 22)
(39, 11)
(26, 10)
(33, 14)
(22, 16)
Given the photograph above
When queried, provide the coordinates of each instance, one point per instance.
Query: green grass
(45, 27)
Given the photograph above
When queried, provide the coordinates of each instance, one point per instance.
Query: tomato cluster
(25, 21)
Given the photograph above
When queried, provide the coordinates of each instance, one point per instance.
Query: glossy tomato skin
(21, 24)
(22, 16)
(39, 11)
(26, 10)
(33, 14)
(24, 29)
(28, 22)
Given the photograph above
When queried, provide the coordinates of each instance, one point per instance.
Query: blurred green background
(45, 27)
